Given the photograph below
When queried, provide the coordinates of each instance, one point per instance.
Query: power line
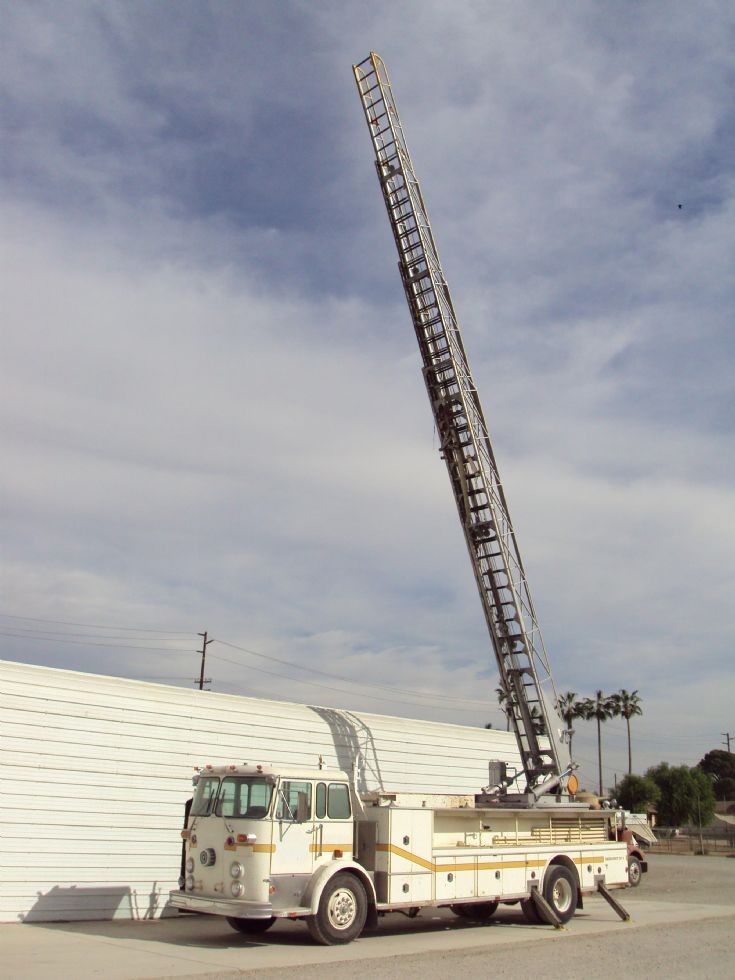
(429, 699)
(111, 646)
(327, 687)
(96, 626)
(86, 636)
(319, 684)
(638, 736)
(378, 687)
(167, 677)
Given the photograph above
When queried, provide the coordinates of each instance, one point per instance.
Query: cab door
(294, 832)
(334, 826)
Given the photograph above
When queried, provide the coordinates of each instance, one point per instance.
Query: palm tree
(537, 720)
(627, 705)
(600, 707)
(569, 709)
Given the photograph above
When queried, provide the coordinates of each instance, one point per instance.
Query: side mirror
(302, 808)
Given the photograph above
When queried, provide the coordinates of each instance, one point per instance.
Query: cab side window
(338, 802)
(321, 801)
(332, 801)
(288, 799)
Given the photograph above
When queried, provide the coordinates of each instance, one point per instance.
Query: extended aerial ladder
(525, 676)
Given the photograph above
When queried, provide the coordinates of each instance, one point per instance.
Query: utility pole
(203, 651)
(726, 736)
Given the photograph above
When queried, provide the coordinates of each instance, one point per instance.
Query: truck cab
(262, 845)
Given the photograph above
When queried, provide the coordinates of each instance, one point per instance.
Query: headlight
(190, 883)
(237, 888)
(190, 865)
(236, 869)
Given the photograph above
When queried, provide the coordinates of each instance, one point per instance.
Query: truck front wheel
(634, 871)
(342, 911)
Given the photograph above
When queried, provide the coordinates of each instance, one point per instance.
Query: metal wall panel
(97, 770)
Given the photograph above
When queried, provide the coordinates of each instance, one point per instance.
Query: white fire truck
(301, 844)
(262, 844)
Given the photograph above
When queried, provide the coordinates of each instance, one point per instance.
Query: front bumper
(221, 906)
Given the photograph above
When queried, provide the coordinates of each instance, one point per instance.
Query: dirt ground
(707, 880)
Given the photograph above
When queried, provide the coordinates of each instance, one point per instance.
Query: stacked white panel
(97, 770)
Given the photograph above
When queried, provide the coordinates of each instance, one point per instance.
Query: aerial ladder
(525, 676)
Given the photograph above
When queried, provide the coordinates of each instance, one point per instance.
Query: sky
(213, 416)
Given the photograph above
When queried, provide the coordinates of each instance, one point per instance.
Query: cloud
(213, 412)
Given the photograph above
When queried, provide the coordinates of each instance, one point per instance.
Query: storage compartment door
(410, 889)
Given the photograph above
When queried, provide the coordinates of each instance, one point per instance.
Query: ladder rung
(383, 148)
(394, 203)
(374, 119)
(380, 131)
(372, 87)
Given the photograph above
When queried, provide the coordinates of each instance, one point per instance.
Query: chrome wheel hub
(342, 908)
(561, 895)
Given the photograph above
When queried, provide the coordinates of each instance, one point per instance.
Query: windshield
(244, 796)
(204, 796)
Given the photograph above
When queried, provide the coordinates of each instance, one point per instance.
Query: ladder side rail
(500, 575)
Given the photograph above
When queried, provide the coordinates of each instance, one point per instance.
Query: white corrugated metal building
(97, 770)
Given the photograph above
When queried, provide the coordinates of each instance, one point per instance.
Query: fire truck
(264, 844)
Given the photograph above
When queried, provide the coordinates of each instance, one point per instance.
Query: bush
(635, 793)
(686, 795)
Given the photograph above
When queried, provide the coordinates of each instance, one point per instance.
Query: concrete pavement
(202, 946)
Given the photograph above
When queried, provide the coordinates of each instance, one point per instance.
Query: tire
(635, 871)
(561, 892)
(342, 911)
(531, 912)
(475, 911)
(250, 927)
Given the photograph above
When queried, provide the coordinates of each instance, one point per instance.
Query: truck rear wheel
(250, 927)
(531, 912)
(342, 911)
(560, 891)
(475, 911)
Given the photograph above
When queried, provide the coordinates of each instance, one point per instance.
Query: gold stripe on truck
(480, 865)
(255, 848)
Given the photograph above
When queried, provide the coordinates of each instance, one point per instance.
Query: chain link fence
(689, 840)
